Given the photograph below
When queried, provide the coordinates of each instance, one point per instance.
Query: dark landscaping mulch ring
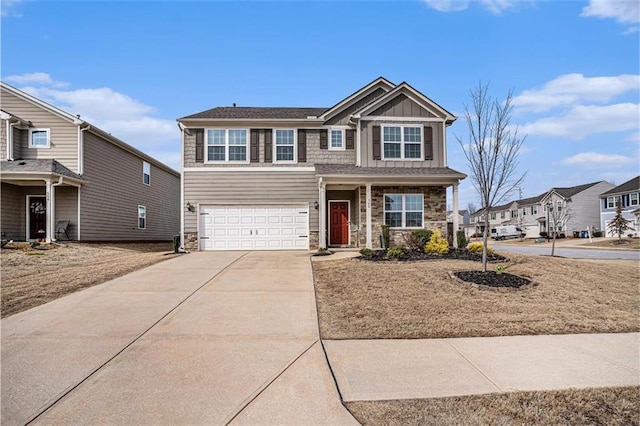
(492, 279)
(457, 254)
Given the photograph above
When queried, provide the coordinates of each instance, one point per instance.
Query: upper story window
(534, 209)
(559, 205)
(39, 138)
(612, 202)
(142, 217)
(230, 145)
(634, 199)
(146, 173)
(285, 145)
(402, 142)
(336, 139)
(524, 211)
(502, 215)
(403, 210)
(514, 213)
(493, 216)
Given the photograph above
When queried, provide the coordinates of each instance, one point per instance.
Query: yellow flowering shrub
(437, 244)
(477, 248)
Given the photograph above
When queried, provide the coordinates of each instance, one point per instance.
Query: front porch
(36, 194)
(353, 208)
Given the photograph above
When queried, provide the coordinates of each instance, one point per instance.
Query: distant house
(573, 208)
(629, 194)
(463, 218)
(56, 167)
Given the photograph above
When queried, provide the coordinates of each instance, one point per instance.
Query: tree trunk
(553, 244)
(484, 243)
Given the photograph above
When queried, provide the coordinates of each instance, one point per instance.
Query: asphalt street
(576, 253)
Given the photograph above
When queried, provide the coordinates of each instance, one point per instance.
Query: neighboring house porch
(35, 195)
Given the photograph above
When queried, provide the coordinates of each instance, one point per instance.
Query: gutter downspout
(10, 140)
(182, 128)
(444, 142)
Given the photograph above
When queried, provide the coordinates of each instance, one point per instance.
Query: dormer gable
(358, 99)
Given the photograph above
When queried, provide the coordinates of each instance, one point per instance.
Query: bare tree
(471, 207)
(619, 224)
(492, 151)
(558, 217)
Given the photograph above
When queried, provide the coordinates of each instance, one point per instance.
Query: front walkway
(368, 370)
(206, 338)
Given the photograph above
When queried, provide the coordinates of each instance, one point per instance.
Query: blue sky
(132, 68)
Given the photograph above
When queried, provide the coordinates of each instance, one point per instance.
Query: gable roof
(531, 200)
(40, 103)
(628, 186)
(572, 190)
(379, 82)
(414, 95)
(257, 113)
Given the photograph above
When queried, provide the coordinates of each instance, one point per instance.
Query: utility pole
(520, 214)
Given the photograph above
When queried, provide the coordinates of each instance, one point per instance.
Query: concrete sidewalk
(430, 368)
(207, 338)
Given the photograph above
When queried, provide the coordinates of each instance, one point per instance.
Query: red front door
(338, 223)
(37, 218)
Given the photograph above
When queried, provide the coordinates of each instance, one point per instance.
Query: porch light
(316, 205)
(191, 207)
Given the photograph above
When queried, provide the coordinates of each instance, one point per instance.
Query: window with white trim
(534, 209)
(336, 139)
(514, 213)
(634, 199)
(227, 145)
(142, 217)
(559, 205)
(39, 138)
(524, 211)
(401, 142)
(612, 202)
(403, 210)
(502, 215)
(146, 173)
(285, 145)
(493, 216)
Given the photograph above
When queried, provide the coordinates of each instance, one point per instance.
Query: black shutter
(428, 143)
(268, 149)
(375, 138)
(199, 145)
(254, 151)
(324, 139)
(349, 138)
(302, 146)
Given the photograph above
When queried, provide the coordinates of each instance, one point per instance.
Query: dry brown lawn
(626, 243)
(32, 277)
(366, 300)
(604, 406)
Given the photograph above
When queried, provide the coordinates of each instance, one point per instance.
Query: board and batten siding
(67, 209)
(113, 189)
(402, 106)
(342, 118)
(226, 187)
(367, 146)
(63, 135)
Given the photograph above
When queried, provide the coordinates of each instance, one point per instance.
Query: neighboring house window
(39, 138)
(514, 213)
(559, 204)
(227, 145)
(402, 142)
(524, 212)
(403, 210)
(337, 139)
(502, 215)
(612, 202)
(142, 217)
(146, 173)
(285, 145)
(534, 209)
(634, 199)
(493, 216)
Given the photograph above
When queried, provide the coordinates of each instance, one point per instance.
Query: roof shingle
(257, 113)
(38, 166)
(628, 186)
(352, 170)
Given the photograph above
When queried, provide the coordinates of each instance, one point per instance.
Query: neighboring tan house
(573, 209)
(302, 178)
(498, 215)
(529, 213)
(463, 218)
(56, 167)
(629, 194)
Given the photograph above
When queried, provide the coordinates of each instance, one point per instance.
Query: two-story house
(629, 194)
(463, 218)
(56, 168)
(301, 178)
(572, 209)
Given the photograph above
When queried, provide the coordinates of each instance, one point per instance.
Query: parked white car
(508, 231)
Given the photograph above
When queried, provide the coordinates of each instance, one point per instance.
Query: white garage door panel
(254, 227)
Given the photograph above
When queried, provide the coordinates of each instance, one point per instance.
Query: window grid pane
(393, 203)
(336, 139)
(39, 138)
(215, 153)
(216, 137)
(392, 134)
(413, 219)
(284, 137)
(412, 134)
(237, 153)
(412, 150)
(284, 153)
(393, 219)
(237, 137)
(391, 150)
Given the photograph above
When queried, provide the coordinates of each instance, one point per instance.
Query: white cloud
(38, 78)
(584, 120)
(493, 6)
(623, 11)
(124, 117)
(569, 89)
(7, 7)
(595, 160)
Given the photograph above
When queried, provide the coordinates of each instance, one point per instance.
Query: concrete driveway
(207, 338)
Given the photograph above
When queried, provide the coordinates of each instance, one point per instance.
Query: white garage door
(254, 227)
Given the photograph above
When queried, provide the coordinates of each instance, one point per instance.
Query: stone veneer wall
(435, 211)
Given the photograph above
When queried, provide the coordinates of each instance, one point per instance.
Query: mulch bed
(458, 254)
(492, 279)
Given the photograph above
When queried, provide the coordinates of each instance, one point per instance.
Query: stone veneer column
(455, 215)
(369, 242)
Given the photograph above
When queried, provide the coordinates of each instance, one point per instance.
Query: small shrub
(3, 243)
(321, 249)
(385, 236)
(477, 248)
(630, 235)
(462, 239)
(366, 253)
(397, 252)
(543, 234)
(34, 244)
(597, 234)
(437, 244)
(416, 240)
